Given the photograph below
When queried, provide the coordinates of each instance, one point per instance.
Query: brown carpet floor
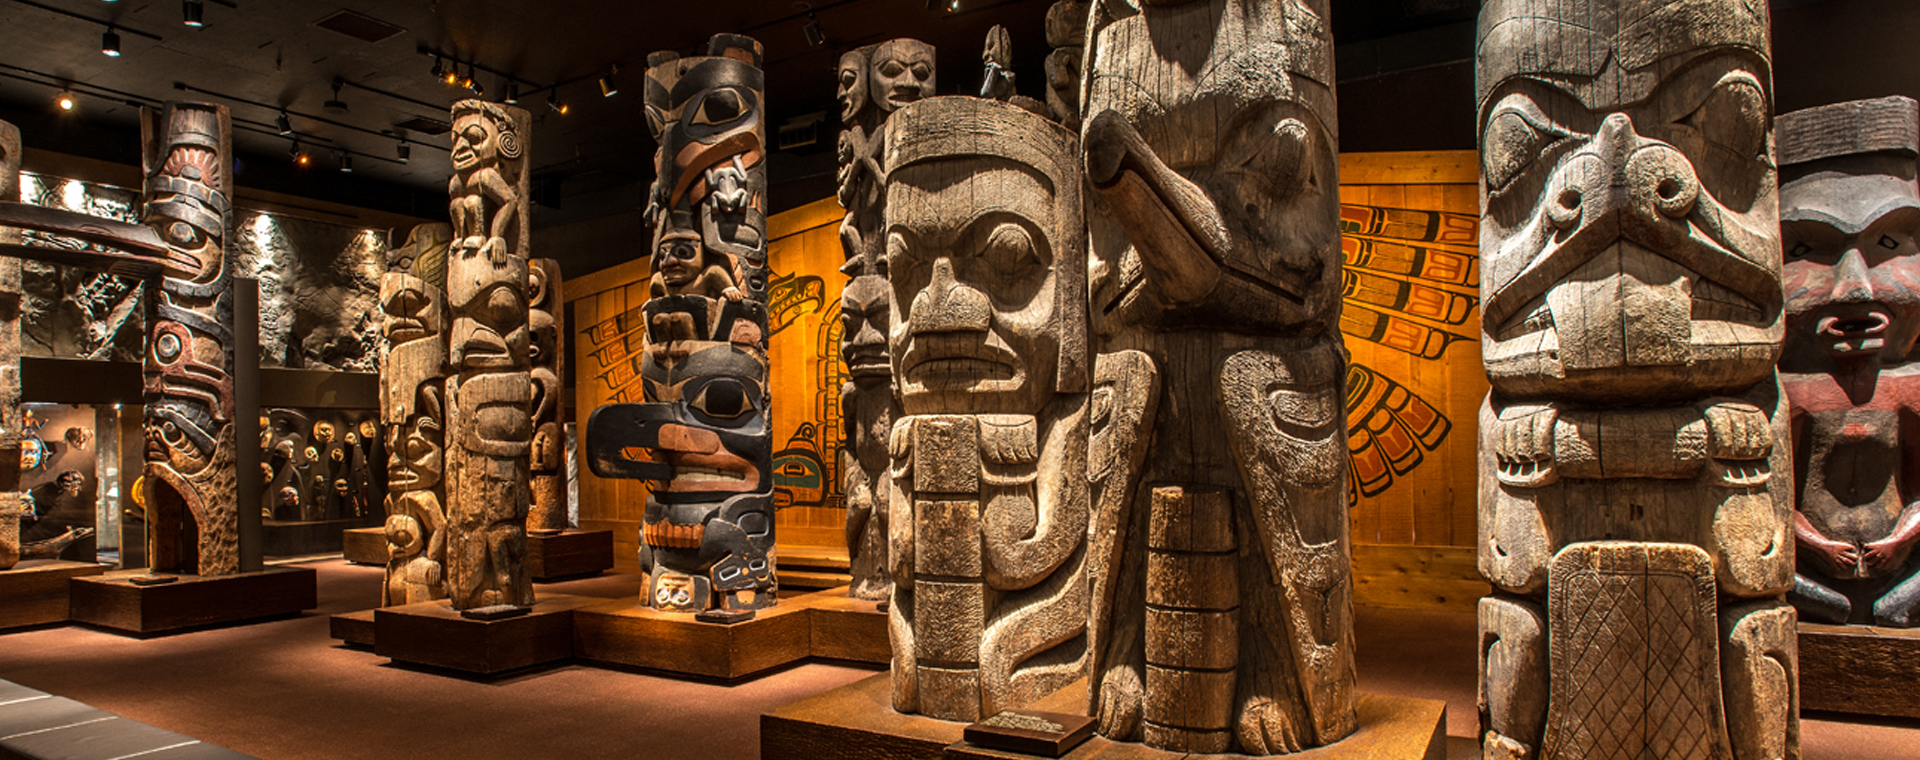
(283, 690)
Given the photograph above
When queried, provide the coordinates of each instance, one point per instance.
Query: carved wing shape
(1411, 278)
(1388, 429)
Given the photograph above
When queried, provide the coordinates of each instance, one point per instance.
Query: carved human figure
(1222, 596)
(489, 431)
(1067, 33)
(545, 318)
(1635, 472)
(705, 428)
(989, 500)
(903, 72)
(413, 411)
(192, 514)
(1849, 211)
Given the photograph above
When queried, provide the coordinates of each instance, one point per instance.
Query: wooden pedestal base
(352, 627)
(624, 633)
(364, 546)
(1859, 669)
(858, 721)
(847, 629)
(569, 554)
(115, 602)
(433, 633)
(35, 591)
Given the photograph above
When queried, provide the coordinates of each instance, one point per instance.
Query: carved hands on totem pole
(704, 434)
(1634, 460)
(193, 520)
(1849, 214)
(490, 425)
(1214, 282)
(989, 505)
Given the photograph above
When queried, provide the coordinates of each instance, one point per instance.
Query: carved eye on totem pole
(412, 307)
(181, 436)
(902, 72)
(706, 115)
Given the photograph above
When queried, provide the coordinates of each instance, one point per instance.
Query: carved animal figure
(1634, 468)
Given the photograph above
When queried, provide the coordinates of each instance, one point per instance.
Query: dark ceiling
(1405, 69)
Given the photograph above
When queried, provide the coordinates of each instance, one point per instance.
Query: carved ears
(509, 140)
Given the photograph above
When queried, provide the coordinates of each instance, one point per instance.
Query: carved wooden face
(1852, 265)
(902, 73)
(1630, 226)
(415, 449)
(678, 257)
(489, 307)
(708, 425)
(864, 310)
(188, 204)
(852, 90)
(970, 256)
(475, 142)
(706, 115)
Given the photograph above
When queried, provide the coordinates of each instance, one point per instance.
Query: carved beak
(1173, 224)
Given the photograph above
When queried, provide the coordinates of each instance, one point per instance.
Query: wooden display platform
(623, 632)
(364, 546)
(432, 633)
(571, 554)
(858, 721)
(112, 601)
(847, 629)
(352, 627)
(1860, 669)
(34, 592)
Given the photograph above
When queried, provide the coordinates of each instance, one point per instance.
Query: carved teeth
(706, 475)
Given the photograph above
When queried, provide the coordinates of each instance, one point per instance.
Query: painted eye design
(1799, 251)
(1888, 242)
(656, 122)
(720, 107)
(1733, 116)
(722, 399)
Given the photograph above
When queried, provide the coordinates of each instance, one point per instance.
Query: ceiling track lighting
(815, 38)
(402, 152)
(336, 105)
(609, 88)
(439, 68)
(65, 100)
(346, 163)
(554, 102)
(283, 123)
(193, 13)
(110, 43)
(513, 92)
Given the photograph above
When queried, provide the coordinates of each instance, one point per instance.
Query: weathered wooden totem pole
(1635, 471)
(489, 431)
(10, 307)
(413, 405)
(704, 434)
(1849, 211)
(546, 316)
(988, 346)
(875, 81)
(1067, 33)
(1222, 597)
(192, 511)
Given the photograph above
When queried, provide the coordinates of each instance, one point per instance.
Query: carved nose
(1850, 281)
(947, 305)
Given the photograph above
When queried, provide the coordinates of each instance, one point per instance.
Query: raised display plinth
(569, 554)
(845, 628)
(364, 546)
(352, 627)
(1860, 669)
(115, 601)
(34, 592)
(624, 633)
(434, 634)
(858, 721)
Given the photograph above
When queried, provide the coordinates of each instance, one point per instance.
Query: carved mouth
(1855, 329)
(401, 329)
(484, 343)
(719, 471)
(959, 360)
(868, 362)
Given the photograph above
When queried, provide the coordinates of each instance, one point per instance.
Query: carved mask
(864, 310)
(902, 73)
(852, 90)
(1630, 223)
(703, 435)
(412, 307)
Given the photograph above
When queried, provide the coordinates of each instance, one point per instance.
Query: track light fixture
(554, 102)
(193, 13)
(439, 68)
(294, 152)
(452, 74)
(346, 163)
(336, 104)
(284, 123)
(65, 101)
(513, 92)
(110, 43)
(403, 151)
(467, 81)
(608, 88)
(815, 38)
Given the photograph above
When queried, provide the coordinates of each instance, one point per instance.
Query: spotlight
(65, 101)
(294, 152)
(301, 159)
(452, 74)
(438, 69)
(608, 88)
(110, 43)
(814, 37)
(192, 13)
(403, 151)
(283, 123)
(467, 81)
(336, 105)
(346, 163)
(554, 102)
(513, 92)
(479, 90)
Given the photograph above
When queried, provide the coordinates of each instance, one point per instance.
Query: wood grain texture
(846, 628)
(115, 603)
(1417, 577)
(1859, 669)
(10, 311)
(36, 591)
(570, 554)
(621, 633)
(1635, 463)
(434, 633)
(546, 323)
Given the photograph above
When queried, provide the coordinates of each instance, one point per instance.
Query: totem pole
(1221, 580)
(413, 409)
(1067, 33)
(875, 81)
(545, 325)
(987, 339)
(705, 428)
(192, 515)
(489, 432)
(1635, 474)
(10, 307)
(1849, 211)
